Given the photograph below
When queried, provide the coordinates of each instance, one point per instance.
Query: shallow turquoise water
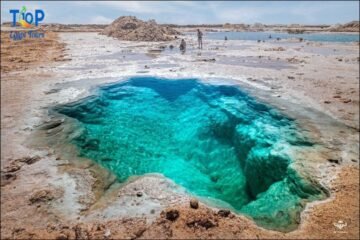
(254, 36)
(216, 141)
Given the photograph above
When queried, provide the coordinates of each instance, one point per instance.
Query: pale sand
(320, 91)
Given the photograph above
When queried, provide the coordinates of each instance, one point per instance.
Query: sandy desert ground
(46, 195)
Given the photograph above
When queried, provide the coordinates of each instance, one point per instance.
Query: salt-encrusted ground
(50, 195)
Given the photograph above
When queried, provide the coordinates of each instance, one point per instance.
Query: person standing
(199, 35)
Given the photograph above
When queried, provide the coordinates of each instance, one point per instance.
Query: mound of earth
(353, 26)
(132, 29)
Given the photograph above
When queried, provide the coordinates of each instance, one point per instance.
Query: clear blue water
(323, 37)
(216, 141)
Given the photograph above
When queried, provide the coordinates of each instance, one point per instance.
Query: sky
(192, 12)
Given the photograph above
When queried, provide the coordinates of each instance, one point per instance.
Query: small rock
(205, 223)
(41, 196)
(100, 227)
(347, 101)
(80, 232)
(7, 178)
(172, 215)
(291, 77)
(52, 91)
(208, 60)
(337, 161)
(194, 203)
(13, 167)
(29, 160)
(61, 237)
(51, 226)
(224, 212)
(139, 194)
(107, 233)
(139, 232)
(327, 102)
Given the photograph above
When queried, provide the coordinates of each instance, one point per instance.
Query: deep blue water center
(215, 140)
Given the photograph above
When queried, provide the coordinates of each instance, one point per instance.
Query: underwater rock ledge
(215, 140)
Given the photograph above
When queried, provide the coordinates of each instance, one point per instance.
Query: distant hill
(130, 28)
(353, 26)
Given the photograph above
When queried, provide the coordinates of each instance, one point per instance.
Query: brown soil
(21, 70)
(185, 222)
(23, 54)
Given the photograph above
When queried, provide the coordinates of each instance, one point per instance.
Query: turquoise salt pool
(216, 141)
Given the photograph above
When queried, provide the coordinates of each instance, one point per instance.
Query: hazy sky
(185, 12)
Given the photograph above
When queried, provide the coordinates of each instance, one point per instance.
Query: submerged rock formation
(251, 169)
(132, 29)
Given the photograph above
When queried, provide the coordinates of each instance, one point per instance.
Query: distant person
(225, 38)
(183, 45)
(199, 35)
(270, 36)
